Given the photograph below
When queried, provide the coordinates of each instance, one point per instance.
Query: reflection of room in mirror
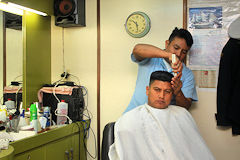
(11, 63)
(13, 21)
(14, 47)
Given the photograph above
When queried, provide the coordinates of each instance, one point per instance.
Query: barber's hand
(176, 83)
(177, 67)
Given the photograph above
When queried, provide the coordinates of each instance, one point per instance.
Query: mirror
(33, 56)
(12, 49)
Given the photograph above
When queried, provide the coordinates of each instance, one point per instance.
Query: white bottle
(174, 61)
(62, 112)
(22, 121)
(10, 104)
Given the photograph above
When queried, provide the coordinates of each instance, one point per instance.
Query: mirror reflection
(14, 47)
(11, 53)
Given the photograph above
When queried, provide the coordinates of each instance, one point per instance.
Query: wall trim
(4, 53)
(185, 14)
(98, 77)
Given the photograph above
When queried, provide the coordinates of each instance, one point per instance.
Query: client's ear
(147, 90)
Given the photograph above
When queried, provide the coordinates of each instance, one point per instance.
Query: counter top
(49, 138)
(7, 154)
(46, 137)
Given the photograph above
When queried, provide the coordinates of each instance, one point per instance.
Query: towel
(147, 133)
(66, 90)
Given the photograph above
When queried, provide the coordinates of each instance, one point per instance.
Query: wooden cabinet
(64, 143)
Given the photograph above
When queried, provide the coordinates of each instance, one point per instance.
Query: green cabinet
(61, 144)
(36, 154)
(60, 149)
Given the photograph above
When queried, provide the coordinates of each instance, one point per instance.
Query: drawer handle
(67, 154)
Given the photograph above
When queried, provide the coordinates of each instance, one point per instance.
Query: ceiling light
(26, 9)
(7, 8)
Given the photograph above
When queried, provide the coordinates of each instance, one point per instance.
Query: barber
(151, 58)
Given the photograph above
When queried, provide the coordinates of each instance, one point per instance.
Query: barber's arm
(142, 51)
(181, 100)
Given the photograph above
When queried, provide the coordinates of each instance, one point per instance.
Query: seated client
(157, 130)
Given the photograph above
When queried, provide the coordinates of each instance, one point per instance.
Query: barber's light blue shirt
(149, 65)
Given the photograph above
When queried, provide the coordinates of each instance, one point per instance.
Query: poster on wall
(208, 23)
(206, 51)
(205, 24)
(205, 78)
(205, 18)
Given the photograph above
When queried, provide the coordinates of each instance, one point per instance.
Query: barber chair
(108, 139)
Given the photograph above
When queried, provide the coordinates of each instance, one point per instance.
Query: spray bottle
(47, 114)
(174, 59)
(22, 121)
(33, 117)
(10, 104)
(62, 112)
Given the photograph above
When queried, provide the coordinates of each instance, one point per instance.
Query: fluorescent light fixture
(7, 8)
(27, 9)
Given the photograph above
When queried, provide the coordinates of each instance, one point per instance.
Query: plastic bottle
(33, 112)
(3, 115)
(33, 117)
(46, 113)
(62, 112)
(22, 121)
(10, 104)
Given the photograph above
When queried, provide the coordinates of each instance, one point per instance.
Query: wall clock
(137, 24)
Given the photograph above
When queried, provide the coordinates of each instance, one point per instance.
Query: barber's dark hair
(182, 33)
(161, 76)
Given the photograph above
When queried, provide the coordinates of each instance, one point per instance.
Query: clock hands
(135, 24)
(133, 21)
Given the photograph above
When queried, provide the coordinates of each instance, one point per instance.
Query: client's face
(159, 94)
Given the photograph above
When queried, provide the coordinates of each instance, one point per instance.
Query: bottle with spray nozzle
(10, 104)
(62, 112)
(33, 117)
(174, 59)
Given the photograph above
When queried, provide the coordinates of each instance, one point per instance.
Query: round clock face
(137, 24)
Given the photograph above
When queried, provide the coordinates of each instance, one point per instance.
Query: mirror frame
(4, 51)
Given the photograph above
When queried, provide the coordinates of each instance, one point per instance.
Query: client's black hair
(181, 33)
(161, 76)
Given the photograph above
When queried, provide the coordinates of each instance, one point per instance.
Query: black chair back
(108, 139)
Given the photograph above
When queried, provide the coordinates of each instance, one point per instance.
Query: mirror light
(7, 8)
(27, 9)
(17, 9)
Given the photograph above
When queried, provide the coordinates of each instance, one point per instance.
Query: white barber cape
(147, 133)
